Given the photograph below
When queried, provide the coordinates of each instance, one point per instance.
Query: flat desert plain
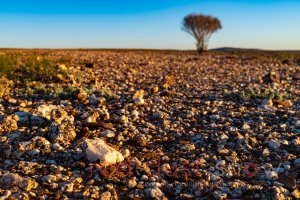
(142, 124)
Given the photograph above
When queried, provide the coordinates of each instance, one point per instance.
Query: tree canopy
(201, 27)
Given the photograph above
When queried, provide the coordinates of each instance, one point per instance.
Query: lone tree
(201, 27)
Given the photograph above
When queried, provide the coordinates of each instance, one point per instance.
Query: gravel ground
(153, 125)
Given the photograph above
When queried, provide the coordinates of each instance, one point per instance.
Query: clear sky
(266, 24)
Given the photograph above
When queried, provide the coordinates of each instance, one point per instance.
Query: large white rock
(97, 149)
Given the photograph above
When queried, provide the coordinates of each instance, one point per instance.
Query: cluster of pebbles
(157, 125)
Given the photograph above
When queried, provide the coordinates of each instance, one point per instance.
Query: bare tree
(201, 27)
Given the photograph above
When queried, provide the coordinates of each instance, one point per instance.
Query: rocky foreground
(160, 125)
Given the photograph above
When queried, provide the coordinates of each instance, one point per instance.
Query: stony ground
(150, 124)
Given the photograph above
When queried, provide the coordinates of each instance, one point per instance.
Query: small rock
(58, 115)
(144, 178)
(168, 81)
(138, 97)
(266, 152)
(246, 127)
(272, 77)
(57, 147)
(29, 184)
(158, 115)
(155, 89)
(156, 193)
(62, 67)
(64, 132)
(69, 187)
(24, 117)
(273, 144)
(296, 194)
(221, 163)
(126, 153)
(267, 105)
(49, 178)
(296, 141)
(219, 195)
(135, 114)
(10, 179)
(6, 195)
(272, 175)
(80, 94)
(34, 152)
(108, 133)
(166, 168)
(297, 162)
(132, 182)
(50, 162)
(5, 150)
(92, 117)
(105, 196)
(9, 124)
(139, 94)
(186, 196)
(44, 111)
(139, 101)
(188, 147)
(124, 119)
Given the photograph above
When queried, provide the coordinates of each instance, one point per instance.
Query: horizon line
(149, 49)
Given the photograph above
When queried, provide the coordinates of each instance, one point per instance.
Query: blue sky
(266, 24)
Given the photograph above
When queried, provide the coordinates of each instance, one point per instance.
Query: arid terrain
(139, 124)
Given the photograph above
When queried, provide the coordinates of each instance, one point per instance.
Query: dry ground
(216, 125)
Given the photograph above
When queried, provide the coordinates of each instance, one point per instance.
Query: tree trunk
(200, 47)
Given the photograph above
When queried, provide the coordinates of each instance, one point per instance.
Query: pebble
(50, 162)
(296, 194)
(188, 147)
(273, 144)
(108, 134)
(105, 196)
(246, 127)
(6, 195)
(135, 114)
(64, 132)
(57, 147)
(272, 175)
(144, 177)
(297, 162)
(49, 178)
(221, 163)
(132, 182)
(156, 193)
(10, 179)
(6, 150)
(219, 195)
(29, 184)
